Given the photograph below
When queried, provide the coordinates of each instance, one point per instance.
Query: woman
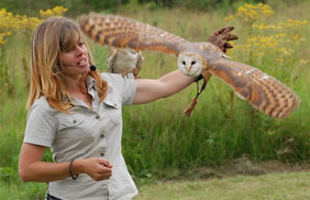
(76, 112)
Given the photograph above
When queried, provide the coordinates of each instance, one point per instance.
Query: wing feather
(122, 32)
(264, 92)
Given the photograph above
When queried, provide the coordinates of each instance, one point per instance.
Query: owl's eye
(193, 62)
(183, 63)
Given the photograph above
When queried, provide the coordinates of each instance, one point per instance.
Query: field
(160, 142)
(292, 186)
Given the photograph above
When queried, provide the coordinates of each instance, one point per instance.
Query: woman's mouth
(82, 63)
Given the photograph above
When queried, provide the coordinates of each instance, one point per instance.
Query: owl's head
(190, 64)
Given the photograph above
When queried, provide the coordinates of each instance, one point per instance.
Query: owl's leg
(125, 61)
(111, 60)
(125, 73)
(136, 67)
(206, 75)
(139, 64)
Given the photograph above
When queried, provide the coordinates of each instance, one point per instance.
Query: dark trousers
(50, 197)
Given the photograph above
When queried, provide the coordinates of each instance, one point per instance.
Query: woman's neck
(75, 90)
(73, 84)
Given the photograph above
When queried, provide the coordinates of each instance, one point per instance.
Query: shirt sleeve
(125, 86)
(41, 125)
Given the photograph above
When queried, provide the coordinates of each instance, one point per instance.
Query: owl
(124, 61)
(262, 91)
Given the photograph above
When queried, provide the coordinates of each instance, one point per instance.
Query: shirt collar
(90, 82)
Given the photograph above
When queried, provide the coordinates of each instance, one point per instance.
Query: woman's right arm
(32, 168)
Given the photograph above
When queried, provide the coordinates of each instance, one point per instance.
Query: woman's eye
(80, 44)
(69, 50)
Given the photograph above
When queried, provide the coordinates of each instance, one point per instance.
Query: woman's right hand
(97, 168)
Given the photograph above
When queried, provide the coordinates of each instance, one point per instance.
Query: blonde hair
(50, 39)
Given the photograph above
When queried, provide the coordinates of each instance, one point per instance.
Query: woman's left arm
(149, 90)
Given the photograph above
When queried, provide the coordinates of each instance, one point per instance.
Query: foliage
(12, 25)
(22, 191)
(276, 40)
(58, 10)
(30, 7)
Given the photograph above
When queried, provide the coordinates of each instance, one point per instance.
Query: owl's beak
(188, 69)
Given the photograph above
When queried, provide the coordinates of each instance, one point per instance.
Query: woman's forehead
(70, 38)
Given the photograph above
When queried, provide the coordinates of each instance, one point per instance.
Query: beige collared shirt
(87, 133)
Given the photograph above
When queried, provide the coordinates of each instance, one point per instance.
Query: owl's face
(190, 64)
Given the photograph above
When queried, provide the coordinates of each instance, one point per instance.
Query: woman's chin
(84, 69)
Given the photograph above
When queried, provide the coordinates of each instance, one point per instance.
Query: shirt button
(102, 154)
(97, 117)
(74, 121)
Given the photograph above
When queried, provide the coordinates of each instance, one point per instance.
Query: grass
(20, 191)
(283, 186)
(275, 186)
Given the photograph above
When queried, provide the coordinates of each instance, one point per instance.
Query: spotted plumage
(264, 92)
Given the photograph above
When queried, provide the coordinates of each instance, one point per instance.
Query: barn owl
(125, 61)
(262, 91)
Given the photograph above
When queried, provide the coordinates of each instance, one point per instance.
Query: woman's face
(75, 60)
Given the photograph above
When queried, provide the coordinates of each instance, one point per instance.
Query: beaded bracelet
(74, 177)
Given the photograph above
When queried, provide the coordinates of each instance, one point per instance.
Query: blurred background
(159, 141)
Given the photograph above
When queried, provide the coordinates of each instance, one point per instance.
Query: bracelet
(74, 177)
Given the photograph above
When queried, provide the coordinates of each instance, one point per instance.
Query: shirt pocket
(74, 132)
(71, 121)
(113, 110)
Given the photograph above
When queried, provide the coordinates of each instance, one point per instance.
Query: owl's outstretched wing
(264, 92)
(122, 32)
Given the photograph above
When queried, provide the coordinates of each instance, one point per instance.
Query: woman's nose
(79, 50)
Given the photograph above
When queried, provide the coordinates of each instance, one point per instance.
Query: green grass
(22, 191)
(284, 186)
(276, 186)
